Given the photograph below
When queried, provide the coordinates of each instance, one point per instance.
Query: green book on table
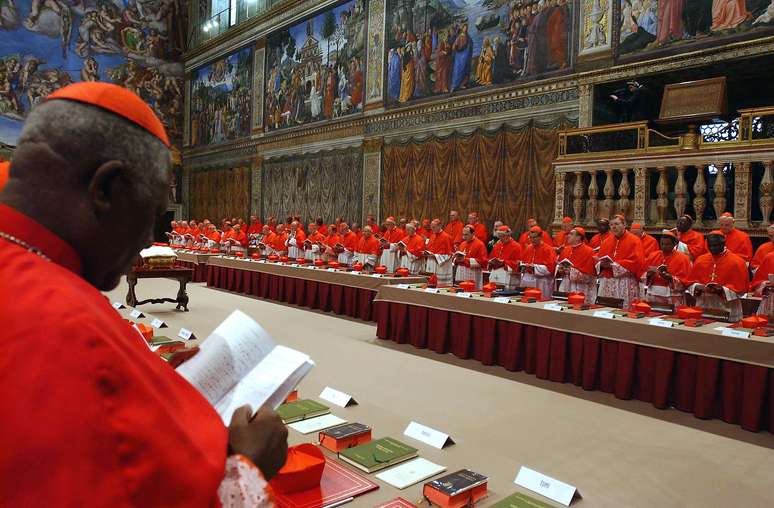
(301, 410)
(378, 454)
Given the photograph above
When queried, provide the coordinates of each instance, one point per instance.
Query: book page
(269, 382)
(236, 346)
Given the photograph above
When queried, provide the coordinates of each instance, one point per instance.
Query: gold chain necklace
(24, 245)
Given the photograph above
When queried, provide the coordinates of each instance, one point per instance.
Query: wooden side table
(180, 273)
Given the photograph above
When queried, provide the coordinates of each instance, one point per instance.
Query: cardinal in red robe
(668, 272)
(504, 259)
(737, 241)
(719, 278)
(92, 416)
(577, 266)
(538, 263)
(471, 258)
(620, 264)
(691, 241)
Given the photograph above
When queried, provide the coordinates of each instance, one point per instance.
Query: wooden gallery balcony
(653, 178)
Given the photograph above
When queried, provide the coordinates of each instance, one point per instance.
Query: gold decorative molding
(373, 144)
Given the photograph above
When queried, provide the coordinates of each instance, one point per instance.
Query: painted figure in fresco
(407, 74)
(644, 13)
(393, 74)
(697, 18)
(670, 21)
(728, 14)
(90, 70)
(443, 62)
(420, 70)
(61, 10)
(463, 53)
(484, 66)
(557, 30)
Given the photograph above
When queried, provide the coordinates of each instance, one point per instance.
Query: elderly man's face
(770, 231)
(603, 226)
(638, 232)
(573, 238)
(435, 226)
(367, 232)
(453, 216)
(265, 230)
(683, 224)
(467, 234)
(726, 224)
(411, 229)
(567, 226)
(716, 244)
(536, 238)
(280, 228)
(497, 225)
(531, 223)
(472, 218)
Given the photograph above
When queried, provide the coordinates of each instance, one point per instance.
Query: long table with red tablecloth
(696, 370)
(195, 260)
(341, 292)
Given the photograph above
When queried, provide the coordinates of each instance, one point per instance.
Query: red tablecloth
(199, 270)
(342, 300)
(735, 392)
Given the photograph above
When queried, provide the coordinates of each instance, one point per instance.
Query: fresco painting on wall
(647, 25)
(221, 93)
(442, 46)
(315, 69)
(47, 44)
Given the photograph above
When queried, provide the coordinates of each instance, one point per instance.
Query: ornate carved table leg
(182, 296)
(131, 297)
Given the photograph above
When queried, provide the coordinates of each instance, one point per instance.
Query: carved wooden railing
(652, 178)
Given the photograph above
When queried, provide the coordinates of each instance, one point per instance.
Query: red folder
(337, 484)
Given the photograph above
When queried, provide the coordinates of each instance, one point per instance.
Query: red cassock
(540, 255)
(92, 417)
(425, 232)
(316, 237)
(481, 232)
(677, 263)
(695, 242)
(597, 240)
(241, 238)
(474, 249)
(323, 230)
(255, 229)
(524, 239)
(727, 269)
(509, 252)
(415, 244)
(581, 256)
(440, 243)
(368, 245)
(739, 243)
(393, 235)
(765, 268)
(332, 240)
(349, 241)
(214, 236)
(760, 254)
(649, 245)
(300, 237)
(454, 230)
(560, 239)
(626, 251)
(278, 243)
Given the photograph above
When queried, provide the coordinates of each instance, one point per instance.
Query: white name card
(551, 488)
(136, 313)
(732, 332)
(606, 314)
(661, 322)
(261, 260)
(336, 397)
(355, 272)
(157, 323)
(432, 437)
(502, 299)
(432, 290)
(185, 334)
(377, 275)
(553, 306)
(464, 295)
(118, 305)
(403, 286)
(331, 269)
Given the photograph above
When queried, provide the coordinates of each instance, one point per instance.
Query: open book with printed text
(239, 364)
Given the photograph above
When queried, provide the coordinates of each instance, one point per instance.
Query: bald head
(94, 174)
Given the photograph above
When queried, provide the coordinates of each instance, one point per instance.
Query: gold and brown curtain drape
(326, 184)
(219, 193)
(505, 175)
